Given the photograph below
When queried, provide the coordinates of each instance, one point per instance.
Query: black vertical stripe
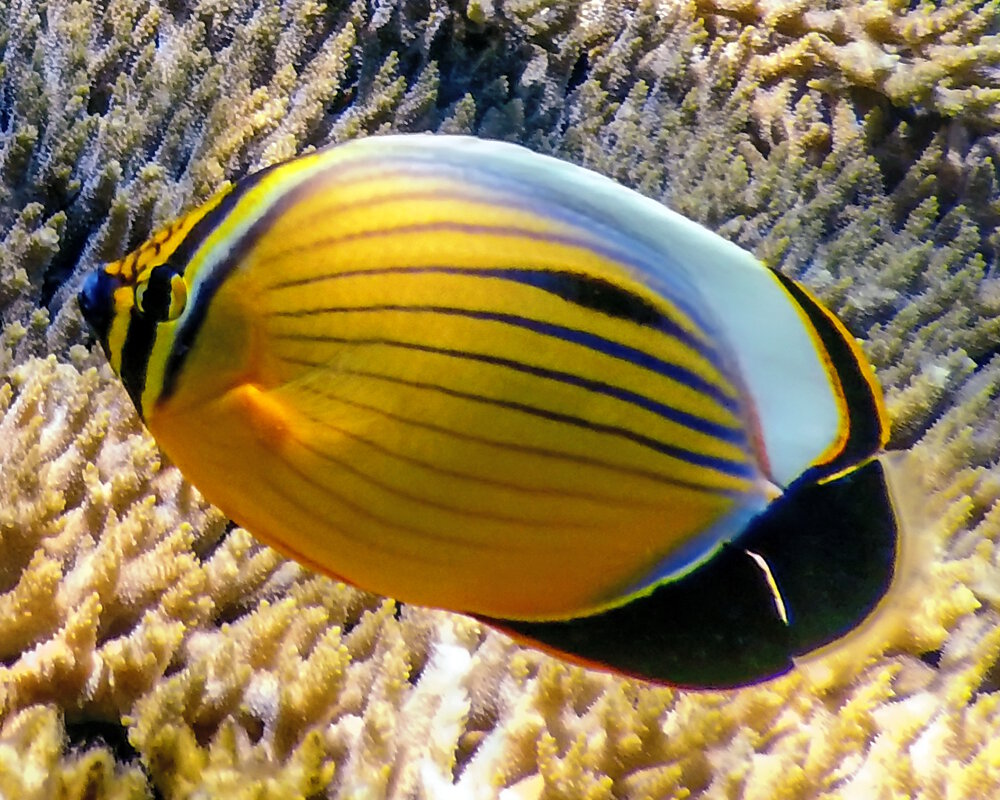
(135, 356)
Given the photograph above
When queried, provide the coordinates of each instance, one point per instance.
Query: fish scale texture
(147, 649)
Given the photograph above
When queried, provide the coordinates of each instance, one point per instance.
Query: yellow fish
(469, 376)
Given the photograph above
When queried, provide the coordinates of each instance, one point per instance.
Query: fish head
(137, 289)
(143, 289)
(130, 301)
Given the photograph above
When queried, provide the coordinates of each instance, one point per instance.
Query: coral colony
(148, 647)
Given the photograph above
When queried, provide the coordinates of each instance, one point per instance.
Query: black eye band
(153, 297)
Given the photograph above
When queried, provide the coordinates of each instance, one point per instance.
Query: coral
(33, 764)
(146, 646)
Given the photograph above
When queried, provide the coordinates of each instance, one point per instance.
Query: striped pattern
(408, 371)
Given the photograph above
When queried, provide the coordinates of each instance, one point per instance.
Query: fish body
(469, 376)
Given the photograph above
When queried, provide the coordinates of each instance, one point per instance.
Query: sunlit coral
(34, 764)
(147, 645)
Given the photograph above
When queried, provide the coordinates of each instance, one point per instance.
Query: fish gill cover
(148, 649)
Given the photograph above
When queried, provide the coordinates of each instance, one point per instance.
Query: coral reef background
(148, 649)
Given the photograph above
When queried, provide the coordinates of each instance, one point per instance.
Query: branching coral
(851, 147)
(34, 764)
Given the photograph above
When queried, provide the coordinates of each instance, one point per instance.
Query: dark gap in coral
(414, 55)
(87, 733)
(761, 141)
(989, 684)
(363, 642)
(481, 722)
(982, 360)
(578, 73)
(254, 727)
(348, 625)
(533, 98)
(907, 135)
(948, 201)
(204, 731)
(418, 663)
(460, 55)
(931, 658)
(975, 515)
(467, 746)
(5, 114)
(263, 73)
(140, 229)
(17, 554)
(348, 91)
(335, 16)
(84, 734)
(153, 788)
(229, 613)
(620, 91)
(206, 548)
(112, 627)
(411, 64)
(823, 100)
(175, 666)
(411, 15)
(180, 10)
(397, 612)
(904, 438)
(99, 99)
(62, 265)
(217, 36)
(182, 159)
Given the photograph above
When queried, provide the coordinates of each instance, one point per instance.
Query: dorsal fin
(865, 421)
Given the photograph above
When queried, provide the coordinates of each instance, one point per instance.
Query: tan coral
(938, 59)
(34, 765)
(72, 465)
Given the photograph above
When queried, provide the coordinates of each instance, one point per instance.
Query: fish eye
(162, 297)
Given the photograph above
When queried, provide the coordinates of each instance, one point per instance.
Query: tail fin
(891, 621)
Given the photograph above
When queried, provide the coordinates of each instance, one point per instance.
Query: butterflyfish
(472, 377)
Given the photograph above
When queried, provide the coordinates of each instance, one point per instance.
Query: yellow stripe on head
(122, 301)
(137, 265)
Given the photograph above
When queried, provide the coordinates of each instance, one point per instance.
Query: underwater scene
(514, 399)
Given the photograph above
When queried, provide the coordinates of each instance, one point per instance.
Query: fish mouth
(96, 299)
